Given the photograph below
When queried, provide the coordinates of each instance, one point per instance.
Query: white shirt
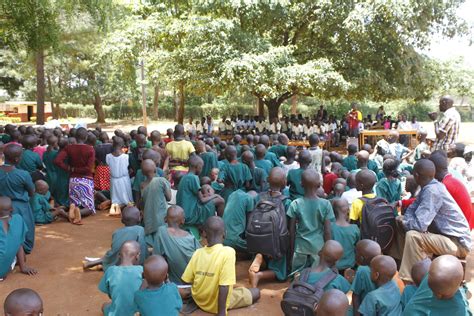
(221, 126)
(404, 126)
(260, 126)
(351, 195)
(296, 129)
(415, 126)
(190, 128)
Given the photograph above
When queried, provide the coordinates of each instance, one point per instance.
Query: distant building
(24, 110)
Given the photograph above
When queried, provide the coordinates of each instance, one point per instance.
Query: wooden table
(385, 132)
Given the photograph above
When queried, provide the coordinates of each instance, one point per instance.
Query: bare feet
(72, 212)
(104, 205)
(114, 210)
(77, 217)
(254, 269)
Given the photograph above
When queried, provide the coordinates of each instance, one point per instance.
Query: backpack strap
(326, 279)
(304, 276)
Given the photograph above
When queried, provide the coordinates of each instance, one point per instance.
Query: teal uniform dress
(293, 180)
(234, 177)
(339, 283)
(347, 236)
(236, 209)
(156, 206)
(162, 301)
(41, 208)
(121, 235)
(120, 283)
(407, 294)
(259, 180)
(140, 178)
(350, 163)
(15, 184)
(264, 164)
(210, 162)
(362, 283)
(279, 150)
(57, 179)
(384, 301)
(425, 303)
(391, 190)
(310, 215)
(30, 161)
(177, 250)
(273, 159)
(10, 242)
(195, 212)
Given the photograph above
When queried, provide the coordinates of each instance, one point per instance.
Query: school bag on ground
(267, 227)
(378, 221)
(301, 298)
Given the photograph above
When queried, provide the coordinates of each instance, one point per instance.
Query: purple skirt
(81, 192)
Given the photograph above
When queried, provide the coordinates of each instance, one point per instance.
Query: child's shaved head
(247, 157)
(12, 153)
(419, 270)
(260, 151)
(148, 167)
(175, 215)
(153, 155)
(155, 270)
(230, 153)
(424, 171)
(304, 158)
(341, 208)
(41, 186)
(23, 302)
(5, 205)
(331, 252)
(310, 179)
(195, 161)
(383, 269)
(366, 250)
(130, 216)
(365, 180)
(214, 228)
(277, 179)
(339, 188)
(333, 303)
(445, 276)
(130, 251)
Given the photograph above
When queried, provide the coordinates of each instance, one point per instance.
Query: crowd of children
(188, 205)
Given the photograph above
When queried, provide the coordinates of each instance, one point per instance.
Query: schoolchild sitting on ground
(440, 293)
(56, 178)
(22, 302)
(40, 204)
(260, 161)
(385, 300)
(265, 141)
(276, 267)
(333, 303)
(157, 296)
(365, 181)
(259, 176)
(140, 178)
(197, 208)
(120, 282)
(234, 174)
(418, 273)
(132, 231)
(31, 161)
(280, 149)
(411, 187)
(208, 157)
(350, 162)
(156, 192)
(294, 176)
(346, 234)
(314, 216)
(211, 273)
(12, 237)
(390, 187)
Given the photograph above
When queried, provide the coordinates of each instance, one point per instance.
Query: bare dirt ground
(67, 290)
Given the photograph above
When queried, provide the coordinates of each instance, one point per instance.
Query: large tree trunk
(98, 108)
(156, 96)
(261, 107)
(273, 106)
(294, 103)
(40, 87)
(181, 103)
(175, 105)
(54, 110)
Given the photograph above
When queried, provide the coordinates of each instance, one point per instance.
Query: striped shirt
(449, 125)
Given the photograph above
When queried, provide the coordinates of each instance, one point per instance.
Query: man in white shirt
(404, 125)
(190, 128)
(415, 124)
(260, 126)
(221, 126)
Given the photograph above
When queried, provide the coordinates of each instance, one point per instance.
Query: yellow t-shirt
(355, 213)
(209, 268)
(180, 150)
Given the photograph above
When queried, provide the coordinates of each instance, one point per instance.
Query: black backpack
(378, 222)
(302, 298)
(267, 227)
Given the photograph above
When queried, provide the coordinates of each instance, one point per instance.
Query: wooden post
(142, 72)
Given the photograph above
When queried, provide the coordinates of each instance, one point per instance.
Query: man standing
(447, 128)
(354, 117)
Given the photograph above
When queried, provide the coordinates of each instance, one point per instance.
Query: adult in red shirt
(78, 159)
(354, 117)
(455, 187)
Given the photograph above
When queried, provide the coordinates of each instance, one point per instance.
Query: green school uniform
(264, 164)
(15, 185)
(362, 284)
(279, 150)
(350, 163)
(407, 294)
(384, 301)
(133, 144)
(41, 208)
(195, 212)
(390, 190)
(120, 283)
(162, 301)
(310, 215)
(30, 161)
(234, 176)
(273, 159)
(155, 207)
(235, 219)
(210, 162)
(57, 179)
(10, 242)
(372, 165)
(339, 283)
(217, 186)
(177, 251)
(424, 302)
(5, 138)
(140, 178)
(238, 148)
(259, 180)
(347, 236)
(293, 180)
(121, 235)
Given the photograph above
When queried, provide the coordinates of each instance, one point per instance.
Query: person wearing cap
(447, 127)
